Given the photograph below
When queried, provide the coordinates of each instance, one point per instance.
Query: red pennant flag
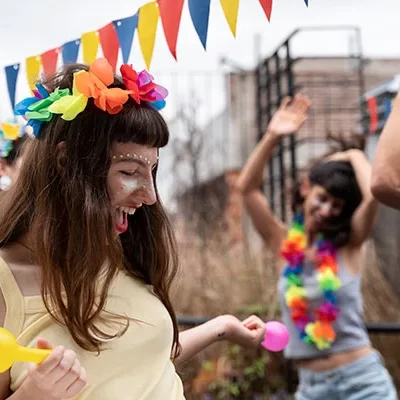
(267, 7)
(49, 61)
(171, 12)
(110, 44)
(373, 114)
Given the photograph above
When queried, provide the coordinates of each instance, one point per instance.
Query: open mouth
(121, 219)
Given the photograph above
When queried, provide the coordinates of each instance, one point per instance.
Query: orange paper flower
(93, 83)
(297, 303)
(324, 330)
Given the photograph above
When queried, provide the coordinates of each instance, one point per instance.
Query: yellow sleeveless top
(136, 366)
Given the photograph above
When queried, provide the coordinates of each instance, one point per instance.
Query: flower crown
(91, 84)
(9, 133)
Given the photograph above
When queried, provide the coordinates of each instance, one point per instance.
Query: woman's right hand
(290, 116)
(60, 376)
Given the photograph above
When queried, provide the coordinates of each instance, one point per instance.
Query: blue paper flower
(36, 108)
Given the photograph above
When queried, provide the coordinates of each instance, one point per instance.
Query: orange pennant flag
(33, 65)
(110, 44)
(267, 7)
(49, 61)
(147, 29)
(231, 9)
(171, 12)
(90, 44)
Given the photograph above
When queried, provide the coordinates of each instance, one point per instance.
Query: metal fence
(388, 328)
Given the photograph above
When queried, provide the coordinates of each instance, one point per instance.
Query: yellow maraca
(11, 351)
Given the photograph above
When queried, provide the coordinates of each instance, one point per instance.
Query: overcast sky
(31, 27)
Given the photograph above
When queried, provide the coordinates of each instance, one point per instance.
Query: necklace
(317, 331)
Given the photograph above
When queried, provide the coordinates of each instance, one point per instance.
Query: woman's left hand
(247, 333)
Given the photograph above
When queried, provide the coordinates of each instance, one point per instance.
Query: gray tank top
(349, 326)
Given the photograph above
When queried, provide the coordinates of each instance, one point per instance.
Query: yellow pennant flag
(33, 65)
(147, 28)
(90, 44)
(231, 9)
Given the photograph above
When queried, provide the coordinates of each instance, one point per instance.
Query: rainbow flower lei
(319, 331)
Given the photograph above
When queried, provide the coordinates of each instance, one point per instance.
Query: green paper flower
(40, 110)
(294, 280)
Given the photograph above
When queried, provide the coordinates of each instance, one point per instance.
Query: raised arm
(386, 167)
(364, 217)
(287, 120)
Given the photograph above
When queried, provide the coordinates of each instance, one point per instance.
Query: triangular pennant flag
(231, 9)
(109, 44)
(49, 61)
(147, 29)
(70, 51)
(171, 12)
(90, 45)
(33, 65)
(125, 30)
(388, 107)
(11, 76)
(200, 13)
(267, 7)
(373, 114)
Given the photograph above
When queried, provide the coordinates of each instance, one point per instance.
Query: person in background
(320, 264)
(13, 138)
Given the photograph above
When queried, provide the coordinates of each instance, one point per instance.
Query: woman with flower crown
(87, 255)
(320, 262)
(13, 139)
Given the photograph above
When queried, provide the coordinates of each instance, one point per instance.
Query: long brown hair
(62, 201)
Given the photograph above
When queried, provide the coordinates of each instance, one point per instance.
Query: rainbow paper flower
(143, 87)
(23, 107)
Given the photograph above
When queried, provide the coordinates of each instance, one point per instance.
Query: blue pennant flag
(200, 13)
(11, 76)
(70, 51)
(126, 30)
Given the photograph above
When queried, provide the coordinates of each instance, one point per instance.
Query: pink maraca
(276, 336)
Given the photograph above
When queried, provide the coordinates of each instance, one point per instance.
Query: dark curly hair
(338, 178)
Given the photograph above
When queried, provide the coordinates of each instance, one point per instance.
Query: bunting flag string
(231, 9)
(33, 65)
(49, 61)
(11, 77)
(70, 51)
(90, 45)
(373, 114)
(267, 7)
(200, 13)
(119, 35)
(147, 29)
(171, 13)
(109, 44)
(126, 30)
